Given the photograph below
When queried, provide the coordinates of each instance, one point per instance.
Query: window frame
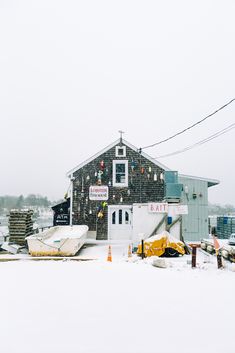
(124, 151)
(120, 161)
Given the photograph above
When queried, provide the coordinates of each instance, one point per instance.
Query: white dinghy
(57, 241)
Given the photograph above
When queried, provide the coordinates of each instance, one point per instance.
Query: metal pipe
(71, 201)
(142, 249)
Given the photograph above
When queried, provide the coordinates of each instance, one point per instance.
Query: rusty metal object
(194, 256)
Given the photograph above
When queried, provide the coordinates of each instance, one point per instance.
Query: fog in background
(73, 73)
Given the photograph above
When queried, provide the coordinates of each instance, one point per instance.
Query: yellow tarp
(157, 245)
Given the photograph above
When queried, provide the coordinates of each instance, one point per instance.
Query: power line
(212, 137)
(190, 127)
(201, 142)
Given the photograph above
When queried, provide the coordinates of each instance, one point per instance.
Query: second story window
(120, 151)
(120, 173)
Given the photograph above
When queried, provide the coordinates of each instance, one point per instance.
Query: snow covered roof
(126, 143)
(57, 205)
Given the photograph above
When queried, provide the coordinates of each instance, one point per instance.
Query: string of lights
(201, 142)
(191, 126)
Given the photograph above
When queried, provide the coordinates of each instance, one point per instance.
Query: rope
(51, 246)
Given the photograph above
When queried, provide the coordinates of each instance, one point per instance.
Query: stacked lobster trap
(20, 226)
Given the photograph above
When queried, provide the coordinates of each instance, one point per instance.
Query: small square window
(120, 151)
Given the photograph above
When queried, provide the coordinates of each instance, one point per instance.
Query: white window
(120, 173)
(120, 151)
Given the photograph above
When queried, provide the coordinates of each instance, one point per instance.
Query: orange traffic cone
(109, 258)
(216, 244)
(129, 251)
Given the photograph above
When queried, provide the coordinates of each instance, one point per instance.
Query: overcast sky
(73, 73)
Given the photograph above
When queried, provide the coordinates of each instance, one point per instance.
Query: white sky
(73, 73)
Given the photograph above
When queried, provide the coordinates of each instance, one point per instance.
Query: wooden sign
(181, 209)
(157, 207)
(98, 193)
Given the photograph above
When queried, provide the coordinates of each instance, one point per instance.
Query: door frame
(116, 207)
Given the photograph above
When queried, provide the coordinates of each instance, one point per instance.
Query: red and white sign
(157, 207)
(181, 209)
(98, 193)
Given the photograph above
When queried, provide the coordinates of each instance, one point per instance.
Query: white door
(120, 222)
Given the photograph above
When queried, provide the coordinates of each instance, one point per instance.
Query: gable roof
(211, 182)
(126, 143)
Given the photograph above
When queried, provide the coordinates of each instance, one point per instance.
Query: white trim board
(211, 182)
(120, 161)
(124, 142)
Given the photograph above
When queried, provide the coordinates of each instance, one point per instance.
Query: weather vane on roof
(121, 133)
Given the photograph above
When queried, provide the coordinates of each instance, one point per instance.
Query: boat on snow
(58, 241)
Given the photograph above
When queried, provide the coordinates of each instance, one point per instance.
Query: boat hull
(58, 241)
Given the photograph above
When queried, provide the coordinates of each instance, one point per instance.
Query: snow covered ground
(3, 230)
(118, 307)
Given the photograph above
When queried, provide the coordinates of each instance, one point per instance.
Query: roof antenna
(121, 133)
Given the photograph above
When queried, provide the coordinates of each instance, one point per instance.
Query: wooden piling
(194, 256)
(142, 249)
(219, 260)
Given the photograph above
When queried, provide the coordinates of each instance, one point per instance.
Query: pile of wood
(20, 226)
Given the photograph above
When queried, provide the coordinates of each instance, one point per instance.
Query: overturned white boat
(57, 241)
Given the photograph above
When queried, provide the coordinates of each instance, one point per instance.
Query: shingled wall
(141, 188)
